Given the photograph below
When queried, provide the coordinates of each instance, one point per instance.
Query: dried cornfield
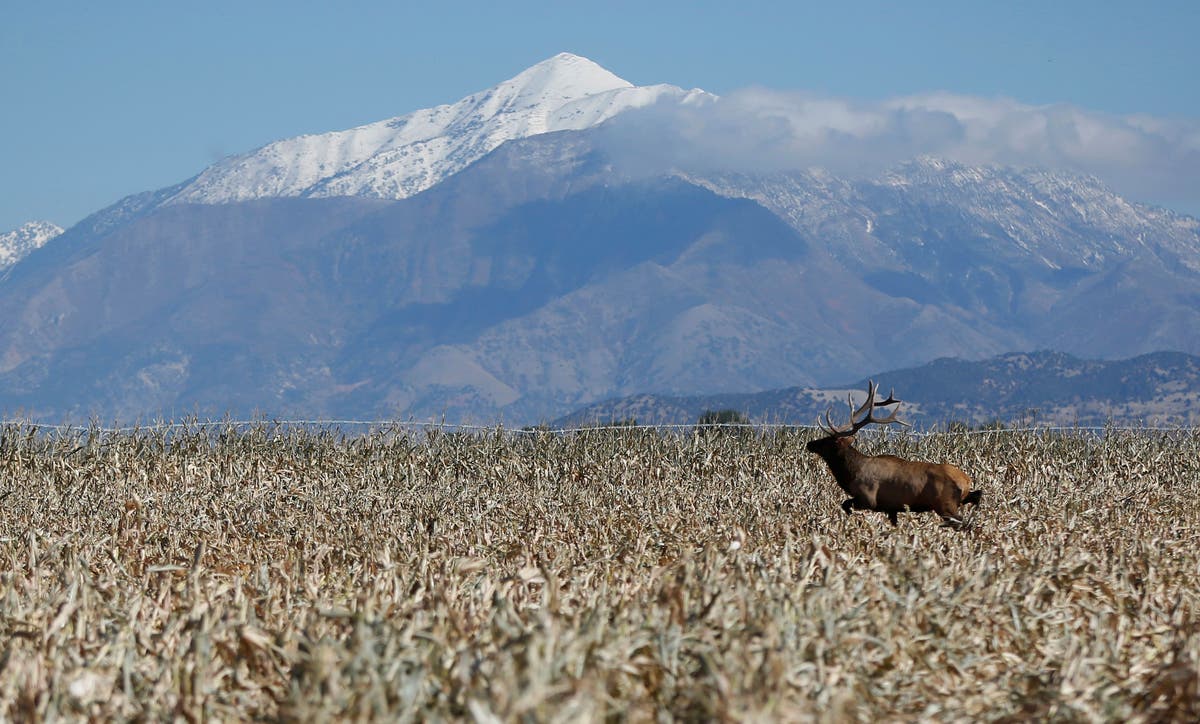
(304, 575)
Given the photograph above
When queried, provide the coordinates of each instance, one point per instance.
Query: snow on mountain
(1049, 219)
(16, 244)
(402, 156)
(1065, 218)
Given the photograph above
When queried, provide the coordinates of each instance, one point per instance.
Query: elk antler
(867, 407)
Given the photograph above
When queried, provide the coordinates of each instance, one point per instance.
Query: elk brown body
(887, 483)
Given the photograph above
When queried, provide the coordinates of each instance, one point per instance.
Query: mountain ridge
(19, 243)
(398, 157)
(1039, 388)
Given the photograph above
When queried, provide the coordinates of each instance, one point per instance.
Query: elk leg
(948, 510)
(947, 506)
(893, 517)
(848, 505)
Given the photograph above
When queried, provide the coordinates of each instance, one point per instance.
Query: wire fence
(499, 428)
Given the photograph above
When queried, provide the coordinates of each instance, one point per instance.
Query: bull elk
(887, 483)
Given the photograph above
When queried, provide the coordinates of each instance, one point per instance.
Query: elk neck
(844, 462)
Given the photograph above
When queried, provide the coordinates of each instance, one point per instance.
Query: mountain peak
(568, 75)
(402, 156)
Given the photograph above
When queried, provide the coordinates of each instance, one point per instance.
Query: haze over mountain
(520, 253)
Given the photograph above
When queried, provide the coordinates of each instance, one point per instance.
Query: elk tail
(973, 497)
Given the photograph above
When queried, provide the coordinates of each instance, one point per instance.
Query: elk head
(840, 437)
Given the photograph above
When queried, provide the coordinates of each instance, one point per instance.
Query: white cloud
(1145, 158)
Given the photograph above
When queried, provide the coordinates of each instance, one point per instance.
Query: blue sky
(106, 99)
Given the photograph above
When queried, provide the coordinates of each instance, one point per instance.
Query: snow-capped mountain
(930, 216)
(551, 260)
(399, 157)
(16, 244)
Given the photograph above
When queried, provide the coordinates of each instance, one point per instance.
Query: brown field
(283, 574)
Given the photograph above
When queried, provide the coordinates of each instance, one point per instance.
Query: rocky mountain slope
(15, 245)
(1057, 256)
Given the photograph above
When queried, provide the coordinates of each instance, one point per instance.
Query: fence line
(537, 430)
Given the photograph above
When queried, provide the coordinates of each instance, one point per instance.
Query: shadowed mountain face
(441, 303)
(543, 278)
(180, 305)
